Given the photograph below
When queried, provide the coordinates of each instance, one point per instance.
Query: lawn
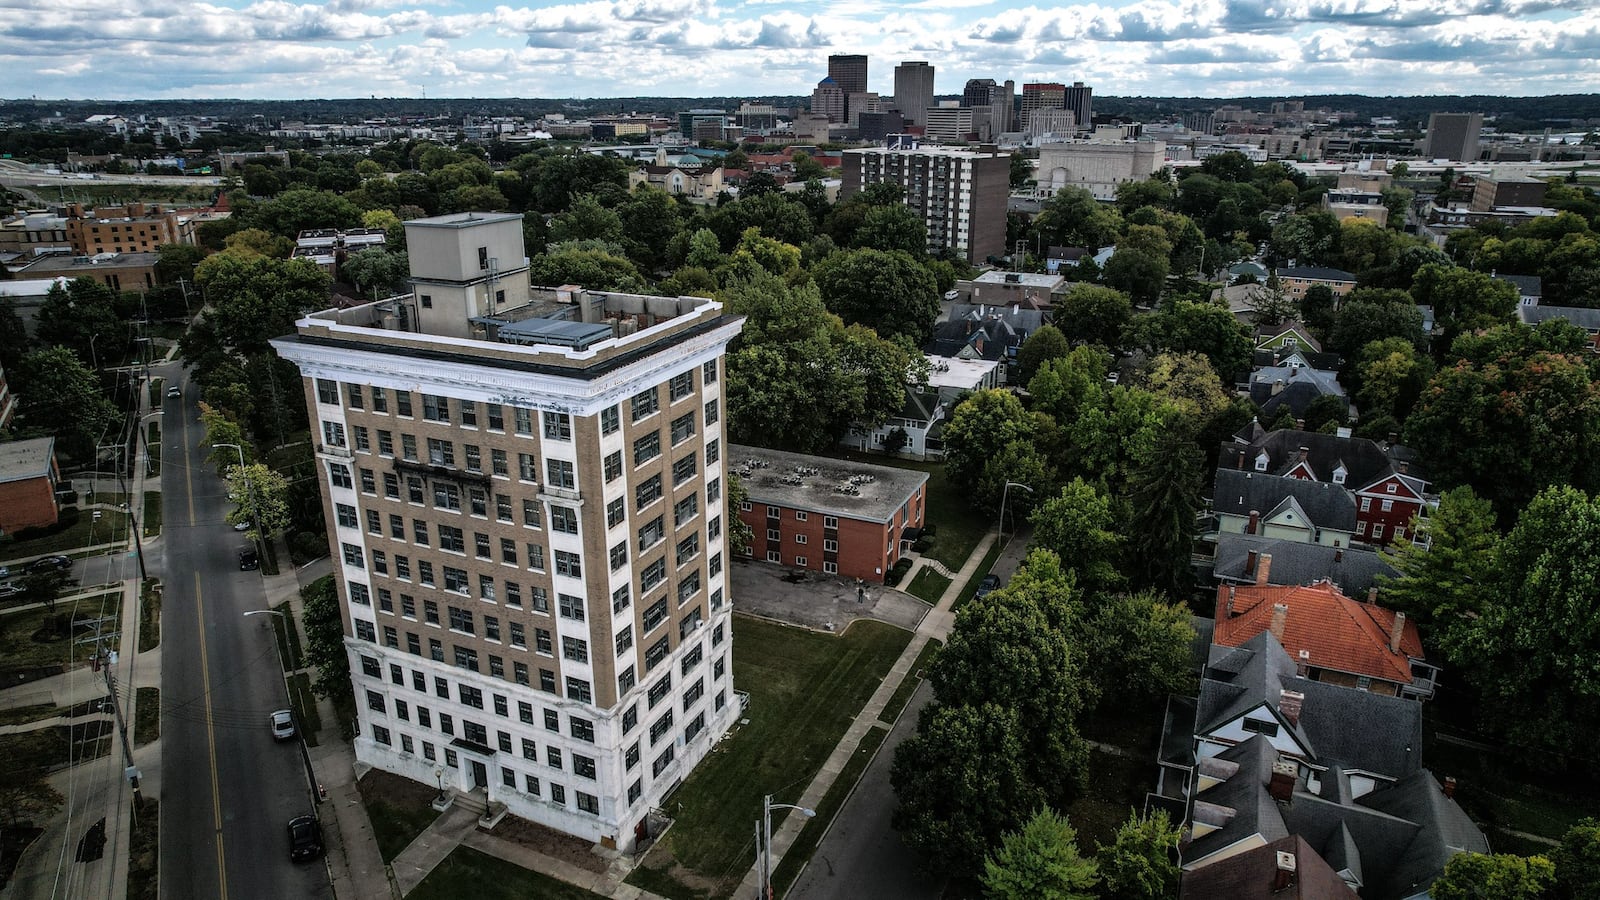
(155, 392)
(913, 680)
(153, 451)
(977, 577)
(22, 715)
(810, 836)
(466, 872)
(305, 707)
(112, 528)
(143, 858)
(805, 688)
(46, 749)
(147, 716)
(399, 810)
(150, 614)
(20, 651)
(152, 513)
(928, 585)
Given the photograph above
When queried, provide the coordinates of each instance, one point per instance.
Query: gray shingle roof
(1254, 811)
(1315, 273)
(1326, 505)
(1295, 562)
(1365, 460)
(1587, 319)
(1526, 285)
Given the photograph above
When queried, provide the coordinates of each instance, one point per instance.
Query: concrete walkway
(936, 624)
(429, 848)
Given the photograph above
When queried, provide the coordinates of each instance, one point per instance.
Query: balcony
(335, 452)
(449, 473)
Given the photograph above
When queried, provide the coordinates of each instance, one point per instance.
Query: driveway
(816, 601)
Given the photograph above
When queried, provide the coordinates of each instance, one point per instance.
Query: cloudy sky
(284, 49)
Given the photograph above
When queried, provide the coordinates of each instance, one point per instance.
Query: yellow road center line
(211, 738)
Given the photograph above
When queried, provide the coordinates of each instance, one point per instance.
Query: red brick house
(828, 515)
(29, 479)
(1388, 485)
(1331, 637)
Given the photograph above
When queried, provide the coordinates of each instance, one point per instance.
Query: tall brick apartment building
(959, 194)
(827, 515)
(524, 497)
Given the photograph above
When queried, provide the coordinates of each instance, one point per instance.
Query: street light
(1004, 493)
(767, 806)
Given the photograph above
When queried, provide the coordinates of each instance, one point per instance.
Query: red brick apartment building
(828, 515)
(28, 481)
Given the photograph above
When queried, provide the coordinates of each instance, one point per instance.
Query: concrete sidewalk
(936, 624)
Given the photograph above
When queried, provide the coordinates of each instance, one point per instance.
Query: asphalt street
(228, 789)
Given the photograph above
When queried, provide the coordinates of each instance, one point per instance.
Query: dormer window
(1338, 475)
(1261, 462)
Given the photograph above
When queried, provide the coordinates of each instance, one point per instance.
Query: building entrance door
(480, 774)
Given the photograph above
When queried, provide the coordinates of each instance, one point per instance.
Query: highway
(228, 790)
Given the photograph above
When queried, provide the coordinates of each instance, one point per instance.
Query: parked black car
(987, 586)
(249, 559)
(305, 838)
(50, 562)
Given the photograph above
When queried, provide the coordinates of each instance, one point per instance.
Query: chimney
(1394, 437)
(1403, 466)
(1289, 705)
(1372, 594)
(1294, 369)
(1255, 522)
(1280, 613)
(1250, 562)
(1449, 787)
(1338, 554)
(1231, 589)
(1300, 425)
(1302, 666)
(1263, 570)
(1277, 387)
(1283, 877)
(1280, 786)
(1396, 631)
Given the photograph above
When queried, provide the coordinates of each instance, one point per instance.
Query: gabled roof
(1326, 505)
(1302, 334)
(1365, 461)
(1587, 319)
(1315, 273)
(1249, 876)
(1328, 362)
(1340, 633)
(1242, 800)
(1353, 570)
(1298, 389)
(1526, 285)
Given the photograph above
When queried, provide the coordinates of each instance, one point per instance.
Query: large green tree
(1040, 862)
(59, 395)
(1577, 862)
(1098, 315)
(980, 431)
(1372, 314)
(1184, 326)
(256, 298)
(1443, 582)
(82, 316)
(1043, 345)
(890, 292)
(1464, 300)
(1072, 217)
(1499, 876)
(1080, 526)
(1141, 864)
(1164, 486)
(294, 211)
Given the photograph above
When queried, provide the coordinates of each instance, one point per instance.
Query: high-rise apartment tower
(1453, 136)
(524, 498)
(913, 90)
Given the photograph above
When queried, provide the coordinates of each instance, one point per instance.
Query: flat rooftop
(960, 374)
(462, 220)
(1022, 279)
(20, 460)
(98, 261)
(823, 485)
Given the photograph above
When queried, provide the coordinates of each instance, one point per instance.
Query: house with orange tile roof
(1332, 638)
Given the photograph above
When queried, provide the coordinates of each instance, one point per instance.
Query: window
(695, 691)
(694, 656)
(624, 639)
(497, 462)
(713, 452)
(689, 623)
(1392, 488)
(478, 501)
(578, 689)
(582, 766)
(645, 403)
(402, 567)
(541, 641)
(648, 491)
(536, 557)
(557, 426)
(588, 803)
(613, 466)
(402, 403)
(625, 681)
(441, 453)
(680, 386)
(708, 372)
(695, 726)
(466, 658)
(571, 607)
(655, 615)
(568, 564)
(353, 556)
(615, 511)
(660, 727)
(526, 469)
(684, 469)
(370, 667)
(497, 416)
(450, 538)
(491, 628)
(375, 701)
(530, 514)
(1269, 729)
(520, 670)
(646, 448)
(380, 734)
(652, 533)
(413, 488)
(630, 721)
(635, 790)
(480, 545)
(436, 409)
(563, 519)
(609, 420)
(657, 652)
(508, 552)
(362, 439)
(713, 412)
(685, 509)
(774, 534)
(619, 555)
(620, 598)
(508, 777)
(714, 528)
(1366, 504)
(519, 637)
(353, 391)
(830, 522)
(327, 391)
(652, 575)
(469, 413)
(659, 691)
(1386, 505)
(713, 491)
(688, 548)
(575, 649)
(560, 474)
(715, 563)
(339, 476)
(360, 594)
(582, 729)
(541, 600)
(558, 794)
(346, 514)
(391, 484)
(1377, 530)
(682, 428)
(830, 546)
(552, 722)
(547, 681)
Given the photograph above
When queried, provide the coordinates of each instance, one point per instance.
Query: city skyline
(467, 48)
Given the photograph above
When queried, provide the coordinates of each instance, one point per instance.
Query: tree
(961, 782)
(1043, 345)
(1072, 217)
(82, 317)
(1269, 304)
(1141, 644)
(319, 613)
(650, 220)
(377, 270)
(1164, 485)
(25, 795)
(1464, 300)
(1155, 191)
(1309, 239)
(586, 220)
(1041, 862)
(1541, 633)
(980, 428)
(1021, 171)
(1080, 526)
(59, 395)
(891, 228)
(177, 261)
(1372, 314)
(1140, 273)
(1499, 876)
(262, 500)
(1390, 377)
(45, 585)
(1140, 863)
(595, 269)
(294, 211)
(1187, 381)
(1095, 314)
(740, 534)
(258, 242)
(253, 299)
(1577, 862)
(14, 339)
(1184, 326)
(891, 293)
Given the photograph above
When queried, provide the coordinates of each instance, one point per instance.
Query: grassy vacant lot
(805, 844)
(48, 749)
(466, 872)
(399, 811)
(147, 716)
(928, 585)
(143, 858)
(86, 532)
(805, 688)
(19, 650)
(1116, 787)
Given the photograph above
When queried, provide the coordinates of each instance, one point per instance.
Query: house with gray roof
(1529, 287)
(1587, 319)
(1353, 569)
(1277, 506)
(1262, 754)
(1292, 385)
(981, 331)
